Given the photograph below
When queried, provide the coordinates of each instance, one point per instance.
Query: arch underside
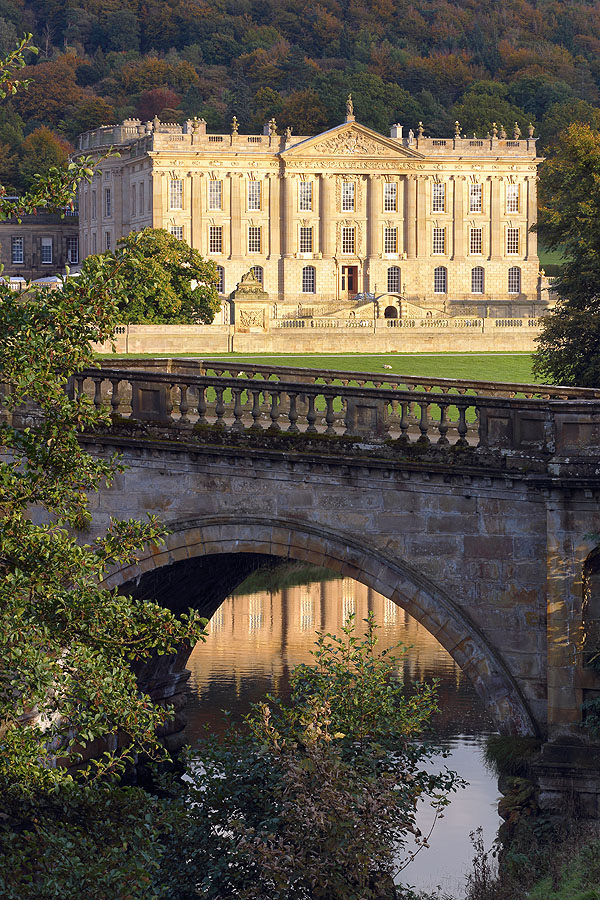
(249, 539)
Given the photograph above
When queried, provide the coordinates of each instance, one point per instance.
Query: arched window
(390, 312)
(477, 280)
(440, 280)
(257, 271)
(221, 284)
(514, 280)
(309, 280)
(393, 280)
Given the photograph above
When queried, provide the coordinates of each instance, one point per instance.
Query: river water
(257, 638)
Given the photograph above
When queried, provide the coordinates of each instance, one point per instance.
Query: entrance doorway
(349, 284)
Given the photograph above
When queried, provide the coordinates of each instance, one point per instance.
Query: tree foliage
(569, 346)
(160, 279)
(66, 643)
(314, 798)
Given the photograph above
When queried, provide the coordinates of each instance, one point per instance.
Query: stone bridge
(473, 506)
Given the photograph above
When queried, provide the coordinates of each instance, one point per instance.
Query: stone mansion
(432, 224)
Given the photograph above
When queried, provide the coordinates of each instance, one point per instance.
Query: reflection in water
(257, 639)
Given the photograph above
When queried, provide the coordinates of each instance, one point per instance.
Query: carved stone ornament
(352, 144)
(357, 193)
(250, 318)
(249, 288)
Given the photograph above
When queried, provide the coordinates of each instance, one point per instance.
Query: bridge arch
(394, 578)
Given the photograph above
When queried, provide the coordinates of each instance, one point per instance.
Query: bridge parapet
(277, 399)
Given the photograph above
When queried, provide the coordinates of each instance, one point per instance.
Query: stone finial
(502, 133)
(288, 133)
(234, 125)
(420, 130)
(457, 129)
(530, 130)
(349, 107)
(272, 126)
(494, 130)
(474, 135)
(516, 132)
(155, 123)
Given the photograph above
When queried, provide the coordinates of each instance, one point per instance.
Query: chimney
(396, 131)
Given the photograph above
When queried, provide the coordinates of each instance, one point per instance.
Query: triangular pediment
(351, 140)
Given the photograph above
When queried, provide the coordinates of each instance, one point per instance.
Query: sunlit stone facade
(438, 224)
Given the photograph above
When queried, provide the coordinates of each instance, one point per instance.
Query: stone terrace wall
(483, 336)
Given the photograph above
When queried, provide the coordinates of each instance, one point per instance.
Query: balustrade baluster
(255, 409)
(169, 401)
(238, 410)
(79, 382)
(183, 404)
(462, 426)
(115, 400)
(202, 420)
(293, 413)
(274, 412)
(219, 407)
(443, 425)
(311, 415)
(404, 423)
(424, 423)
(329, 415)
(98, 392)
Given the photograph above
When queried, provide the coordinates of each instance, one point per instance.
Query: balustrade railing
(301, 405)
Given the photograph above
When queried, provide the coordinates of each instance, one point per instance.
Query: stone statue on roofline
(349, 106)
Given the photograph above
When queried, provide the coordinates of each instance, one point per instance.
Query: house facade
(39, 246)
(437, 225)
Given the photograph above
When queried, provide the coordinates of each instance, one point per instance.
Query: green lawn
(477, 366)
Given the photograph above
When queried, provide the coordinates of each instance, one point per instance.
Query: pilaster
(410, 221)
(422, 218)
(375, 203)
(197, 207)
(158, 187)
(326, 203)
(236, 251)
(531, 188)
(459, 216)
(288, 208)
(496, 236)
(274, 182)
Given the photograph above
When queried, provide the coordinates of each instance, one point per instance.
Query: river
(257, 637)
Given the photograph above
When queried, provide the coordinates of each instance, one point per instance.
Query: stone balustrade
(280, 399)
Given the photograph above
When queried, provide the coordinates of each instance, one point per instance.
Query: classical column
(496, 236)
(531, 187)
(459, 217)
(287, 219)
(196, 212)
(158, 182)
(274, 182)
(236, 250)
(327, 208)
(121, 189)
(410, 219)
(375, 203)
(422, 217)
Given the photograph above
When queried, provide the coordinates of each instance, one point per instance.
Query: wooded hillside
(476, 61)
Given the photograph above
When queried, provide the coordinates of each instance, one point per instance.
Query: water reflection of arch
(419, 596)
(591, 610)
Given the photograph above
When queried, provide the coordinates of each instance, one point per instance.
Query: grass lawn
(476, 366)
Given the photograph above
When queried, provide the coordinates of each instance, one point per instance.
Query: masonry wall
(484, 337)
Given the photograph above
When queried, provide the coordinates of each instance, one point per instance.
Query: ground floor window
(221, 282)
(393, 280)
(257, 271)
(514, 280)
(309, 280)
(440, 280)
(477, 280)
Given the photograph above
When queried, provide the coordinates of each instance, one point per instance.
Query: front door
(349, 285)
